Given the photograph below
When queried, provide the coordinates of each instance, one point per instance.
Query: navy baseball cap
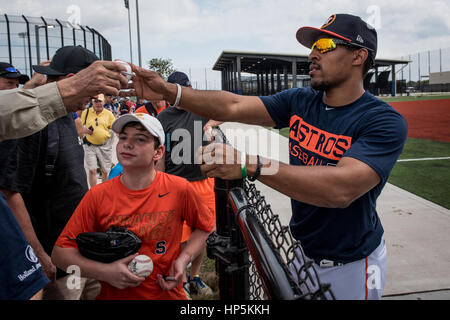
(179, 77)
(8, 71)
(342, 26)
(69, 59)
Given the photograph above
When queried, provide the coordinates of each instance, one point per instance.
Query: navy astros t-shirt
(368, 130)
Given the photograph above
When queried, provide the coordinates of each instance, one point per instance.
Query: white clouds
(194, 32)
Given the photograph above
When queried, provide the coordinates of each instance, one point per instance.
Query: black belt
(97, 145)
(93, 144)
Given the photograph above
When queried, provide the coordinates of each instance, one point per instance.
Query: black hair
(368, 64)
(138, 126)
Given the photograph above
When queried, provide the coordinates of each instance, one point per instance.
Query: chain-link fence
(27, 41)
(427, 71)
(302, 276)
(257, 257)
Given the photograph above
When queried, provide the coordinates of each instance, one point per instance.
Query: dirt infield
(428, 119)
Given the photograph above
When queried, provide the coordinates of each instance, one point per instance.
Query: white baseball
(129, 72)
(141, 266)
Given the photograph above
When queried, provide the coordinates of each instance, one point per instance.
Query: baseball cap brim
(23, 78)
(149, 122)
(308, 35)
(47, 71)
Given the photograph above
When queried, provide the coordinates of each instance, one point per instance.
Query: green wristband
(243, 165)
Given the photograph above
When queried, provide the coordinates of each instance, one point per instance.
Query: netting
(274, 261)
(300, 270)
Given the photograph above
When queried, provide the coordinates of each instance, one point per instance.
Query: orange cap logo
(329, 21)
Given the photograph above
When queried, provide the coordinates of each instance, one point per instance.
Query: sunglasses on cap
(328, 44)
(9, 70)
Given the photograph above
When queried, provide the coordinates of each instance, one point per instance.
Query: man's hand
(149, 85)
(99, 77)
(37, 79)
(119, 276)
(220, 161)
(209, 129)
(176, 273)
(47, 266)
(86, 131)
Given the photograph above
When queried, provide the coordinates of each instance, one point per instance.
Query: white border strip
(423, 159)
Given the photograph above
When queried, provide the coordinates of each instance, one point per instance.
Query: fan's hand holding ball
(141, 266)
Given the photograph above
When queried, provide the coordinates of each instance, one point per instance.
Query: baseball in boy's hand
(141, 266)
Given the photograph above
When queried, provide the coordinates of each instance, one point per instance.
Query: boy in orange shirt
(151, 204)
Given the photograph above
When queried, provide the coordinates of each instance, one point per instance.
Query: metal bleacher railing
(256, 256)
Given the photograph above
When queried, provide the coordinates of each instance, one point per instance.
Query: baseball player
(343, 143)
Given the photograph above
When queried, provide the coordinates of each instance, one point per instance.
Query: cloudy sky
(193, 33)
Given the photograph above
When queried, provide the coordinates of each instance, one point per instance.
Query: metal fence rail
(256, 256)
(228, 248)
(303, 277)
(27, 41)
(268, 263)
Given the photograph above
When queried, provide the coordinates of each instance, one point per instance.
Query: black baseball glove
(114, 244)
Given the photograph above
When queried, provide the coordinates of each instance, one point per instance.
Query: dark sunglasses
(9, 70)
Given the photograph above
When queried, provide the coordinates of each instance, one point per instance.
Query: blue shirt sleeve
(117, 170)
(279, 106)
(381, 141)
(21, 275)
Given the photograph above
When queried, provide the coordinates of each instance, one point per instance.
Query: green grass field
(427, 179)
(420, 148)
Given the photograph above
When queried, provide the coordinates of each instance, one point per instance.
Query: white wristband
(177, 100)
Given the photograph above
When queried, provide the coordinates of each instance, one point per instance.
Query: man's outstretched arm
(322, 186)
(211, 104)
(26, 111)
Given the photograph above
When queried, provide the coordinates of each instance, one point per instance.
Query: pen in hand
(167, 278)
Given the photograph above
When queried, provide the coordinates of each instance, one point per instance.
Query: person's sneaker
(197, 286)
(186, 288)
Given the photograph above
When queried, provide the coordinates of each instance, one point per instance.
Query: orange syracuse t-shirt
(155, 214)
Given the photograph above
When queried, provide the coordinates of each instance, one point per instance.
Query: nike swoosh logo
(163, 195)
(328, 109)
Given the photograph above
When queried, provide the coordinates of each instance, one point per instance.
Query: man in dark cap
(343, 145)
(48, 179)
(10, 77)
(14, 285)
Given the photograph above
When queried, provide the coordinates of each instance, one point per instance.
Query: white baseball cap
(149, 122)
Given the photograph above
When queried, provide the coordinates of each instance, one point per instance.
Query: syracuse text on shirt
(147, 226)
